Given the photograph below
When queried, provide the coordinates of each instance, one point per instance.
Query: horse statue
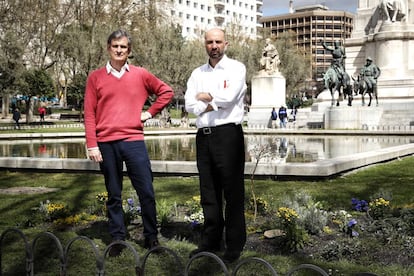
(333, 84)
(361, 87)
(392, 9)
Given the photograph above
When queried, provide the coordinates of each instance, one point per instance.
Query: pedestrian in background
(273, 117)
(215, 93)
(114, 126)
(16, 118)
(283, 116)
(42, 113)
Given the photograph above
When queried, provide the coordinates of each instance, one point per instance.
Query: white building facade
(195, 16)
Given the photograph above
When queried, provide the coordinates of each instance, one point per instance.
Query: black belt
(209, 130)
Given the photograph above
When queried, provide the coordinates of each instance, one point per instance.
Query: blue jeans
(135, 156)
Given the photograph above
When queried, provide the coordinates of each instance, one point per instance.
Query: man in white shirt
(215, 93)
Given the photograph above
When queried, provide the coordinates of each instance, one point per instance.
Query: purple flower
(194, 224)
(352, 223)
(130, 201)
(354, 233)
(359, 205)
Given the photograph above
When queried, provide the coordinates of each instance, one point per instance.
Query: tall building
(195, 16)
(313, 24)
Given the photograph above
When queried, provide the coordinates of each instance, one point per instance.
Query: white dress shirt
(226, 83)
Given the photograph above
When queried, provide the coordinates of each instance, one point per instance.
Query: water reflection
(265, 148)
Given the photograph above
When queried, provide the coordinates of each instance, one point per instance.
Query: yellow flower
(197, 198)
(327, 230)
(379, 202)
(53, 207)
(287, 214)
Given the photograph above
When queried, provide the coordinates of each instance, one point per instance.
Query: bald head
(214, 30)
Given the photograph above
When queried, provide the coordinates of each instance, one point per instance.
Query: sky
(277, 7)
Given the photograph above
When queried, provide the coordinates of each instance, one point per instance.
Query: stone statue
(270, 61)
(393, 10)
(367, 81)
(336, 78)
(338, 60)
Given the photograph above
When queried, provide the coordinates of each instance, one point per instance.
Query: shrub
(296, 237)
(310, 213)
(379, 208)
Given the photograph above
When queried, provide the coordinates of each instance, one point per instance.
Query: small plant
(195, 213)
(261, 206)
(53, 211)
(132, 210)
(359, 205)
(351, 228)
(341, 218)
(101, 200)
(311, 215)
(164, 212)
(296, 237)
(76, 219)
(379, 208)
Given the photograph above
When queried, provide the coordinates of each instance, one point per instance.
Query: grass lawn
(386, 250)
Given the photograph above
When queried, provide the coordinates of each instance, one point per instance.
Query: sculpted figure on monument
(393, 10)
(335, 77)
(366, 83)
(338, 61)
(270, 61)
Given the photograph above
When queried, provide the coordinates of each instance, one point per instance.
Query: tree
(293, 64)
(11, 68)
(37, 83)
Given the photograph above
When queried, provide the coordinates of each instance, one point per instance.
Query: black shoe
(116, 250)
(231, 256)
(150, 244)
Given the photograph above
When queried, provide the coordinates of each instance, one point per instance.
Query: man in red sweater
(114, 120)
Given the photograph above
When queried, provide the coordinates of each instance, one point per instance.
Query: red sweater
(113, 106)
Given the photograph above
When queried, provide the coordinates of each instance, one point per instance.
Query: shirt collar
(110, 69)
(221, 64)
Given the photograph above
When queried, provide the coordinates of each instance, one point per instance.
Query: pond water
(269, 147)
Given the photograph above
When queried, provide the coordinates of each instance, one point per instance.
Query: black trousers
(220, 162)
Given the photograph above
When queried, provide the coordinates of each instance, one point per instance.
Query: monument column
(268, 88)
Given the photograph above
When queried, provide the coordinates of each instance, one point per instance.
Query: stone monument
(383, 31)
(268, 88)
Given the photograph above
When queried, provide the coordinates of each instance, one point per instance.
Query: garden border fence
(139, 265)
